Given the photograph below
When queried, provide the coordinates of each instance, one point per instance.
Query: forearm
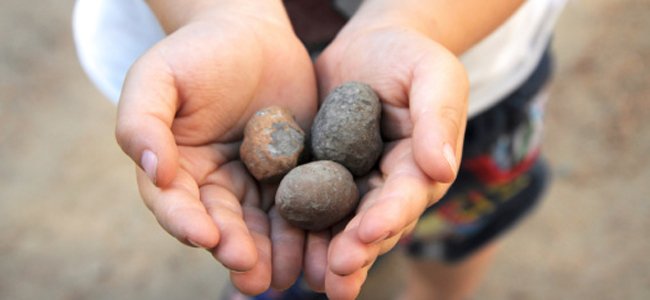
(457, 25)
(173, 14)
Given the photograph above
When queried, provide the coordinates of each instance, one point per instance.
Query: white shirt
(111, 34)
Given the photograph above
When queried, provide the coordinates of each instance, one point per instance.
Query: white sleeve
(503, 60)
(109, 36)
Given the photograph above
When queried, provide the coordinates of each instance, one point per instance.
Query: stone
(273, 143)
(317, 195)
(347, 128)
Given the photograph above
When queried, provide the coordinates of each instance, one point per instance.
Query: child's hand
(181, 117)
(424, 92)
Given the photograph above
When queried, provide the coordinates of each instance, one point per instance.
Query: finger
(406, 193)
(267, 197)
(395, 122)
(202, 161)
(179, 211)
(345, 287)
(237, 250)
(258, 279)
(369, 182)
(287, 251)
(146, 111)
(233, 199)
(316, 259)
(438, 102)
(224, 193)
(347, 253)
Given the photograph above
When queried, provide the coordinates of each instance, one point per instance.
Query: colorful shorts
(501, 177)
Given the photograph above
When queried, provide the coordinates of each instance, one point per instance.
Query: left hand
(423, 88)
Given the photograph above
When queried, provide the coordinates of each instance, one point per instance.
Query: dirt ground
(72, 225)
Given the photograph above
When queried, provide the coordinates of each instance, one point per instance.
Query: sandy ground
(72, 225)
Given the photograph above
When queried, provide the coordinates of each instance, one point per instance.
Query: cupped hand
(423, 89)
(181, 116)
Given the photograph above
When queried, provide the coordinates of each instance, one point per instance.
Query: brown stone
(317, 195)
(273, 143)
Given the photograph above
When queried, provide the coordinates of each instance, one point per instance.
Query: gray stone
(347, 128)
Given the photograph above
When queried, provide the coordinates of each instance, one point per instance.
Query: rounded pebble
(347, 128)
(316, 195)
(272, 144)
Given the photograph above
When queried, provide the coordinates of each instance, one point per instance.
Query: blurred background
(72, 225)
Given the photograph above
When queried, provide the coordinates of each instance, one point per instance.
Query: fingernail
(149, 164)
(193, 243)
(450, 156)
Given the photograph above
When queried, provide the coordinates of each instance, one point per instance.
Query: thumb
(438, 101)
(145, 114)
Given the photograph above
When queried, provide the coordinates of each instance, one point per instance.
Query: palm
(219, 88)
(393, 73)
(423, 91)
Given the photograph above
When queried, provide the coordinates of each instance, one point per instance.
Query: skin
(413, 171)
(187, 99)
(429, 280)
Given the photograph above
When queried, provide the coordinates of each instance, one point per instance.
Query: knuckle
(452, 118)
(124, 131)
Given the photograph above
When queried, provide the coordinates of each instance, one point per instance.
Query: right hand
(423, 89)
(181, 116)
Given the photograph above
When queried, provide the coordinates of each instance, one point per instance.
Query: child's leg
(430, 280)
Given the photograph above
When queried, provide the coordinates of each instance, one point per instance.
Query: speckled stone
(317, 195)
(347, 128)
(273, 143)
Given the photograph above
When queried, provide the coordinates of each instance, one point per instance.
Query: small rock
(317, 195)
(347, 128)
(273, 143)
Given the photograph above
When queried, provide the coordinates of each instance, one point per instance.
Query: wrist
(385, 14)
(456, 25)
(173, 14)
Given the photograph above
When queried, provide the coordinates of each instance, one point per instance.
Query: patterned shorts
(501, 177)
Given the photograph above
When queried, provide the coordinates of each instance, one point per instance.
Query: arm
(175, 14)
(457, 25)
